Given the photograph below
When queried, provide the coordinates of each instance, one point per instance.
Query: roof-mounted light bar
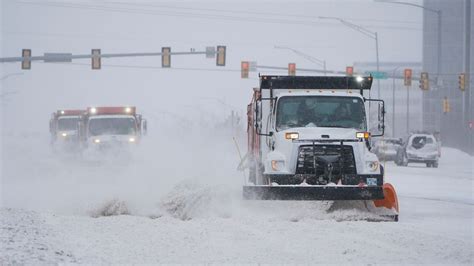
(316, 82)
(69, 112)
(111, 110)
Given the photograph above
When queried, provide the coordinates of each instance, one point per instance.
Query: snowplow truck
(308, 139)
(63, 127)
(104, 128)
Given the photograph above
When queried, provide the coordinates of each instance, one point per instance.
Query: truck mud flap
(312, 193)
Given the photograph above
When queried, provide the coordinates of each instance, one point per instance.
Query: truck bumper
(289, 192)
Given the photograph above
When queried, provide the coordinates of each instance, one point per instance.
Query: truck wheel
(428, 165)
(435, 164)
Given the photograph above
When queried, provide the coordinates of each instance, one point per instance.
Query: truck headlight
(373, 166)
(292, 135)
(277, 165)
(362, 135)
(64, 134)
(131, 139)
(96, 140)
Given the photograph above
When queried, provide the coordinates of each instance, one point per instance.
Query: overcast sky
(249, 29)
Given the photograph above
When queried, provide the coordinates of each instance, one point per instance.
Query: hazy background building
(455, 59)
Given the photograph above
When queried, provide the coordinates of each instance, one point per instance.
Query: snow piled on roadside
(25, 238)
(250, 239)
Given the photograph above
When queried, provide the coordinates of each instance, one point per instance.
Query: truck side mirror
(144, 127)
(377, 119)
(51, 126)
(381, 116)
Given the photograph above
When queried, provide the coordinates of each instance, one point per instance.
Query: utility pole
(393, 100)
(366, 32)
(468, 112)
(440, 15)
(408, 109)
(306, 56)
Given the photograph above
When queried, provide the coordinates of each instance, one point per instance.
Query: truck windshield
(320, 111)
(112, 126)
(67, 123)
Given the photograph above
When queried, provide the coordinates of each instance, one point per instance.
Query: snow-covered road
(56, 215)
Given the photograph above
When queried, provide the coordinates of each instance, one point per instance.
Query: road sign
(210, 52)
(377, 74)
(57, 57)
(253, 66)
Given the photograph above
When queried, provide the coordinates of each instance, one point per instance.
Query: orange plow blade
(390, 200)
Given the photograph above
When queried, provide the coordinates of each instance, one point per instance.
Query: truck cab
(63, 127)
(103, 128)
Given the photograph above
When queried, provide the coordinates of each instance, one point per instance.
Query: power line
(194, 15)
(256, 13)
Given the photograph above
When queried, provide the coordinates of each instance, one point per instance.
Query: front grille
(325, 162)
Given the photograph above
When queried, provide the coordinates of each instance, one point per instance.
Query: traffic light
(220, 60)
(96, 59)
(462, 81)
(446, 106)
(349, 71)
(166, 57)
(244, 69)
(424, 81)
(26, 63)
(408, 73)
(291, 69)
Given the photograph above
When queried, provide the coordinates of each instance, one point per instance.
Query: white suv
(419, 148)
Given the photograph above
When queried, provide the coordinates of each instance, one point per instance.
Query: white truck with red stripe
(106, 128)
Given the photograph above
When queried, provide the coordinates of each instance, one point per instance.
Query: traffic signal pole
(408, 109)
(85, 56)
(96, 55)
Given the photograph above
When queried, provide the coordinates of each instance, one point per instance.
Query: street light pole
(307, 57)
(366, 32)
(408, 109)
(393, 101)
(439, 13)
(378, 64)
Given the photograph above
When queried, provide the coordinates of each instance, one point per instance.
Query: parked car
(419, 148)
(386, 149)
